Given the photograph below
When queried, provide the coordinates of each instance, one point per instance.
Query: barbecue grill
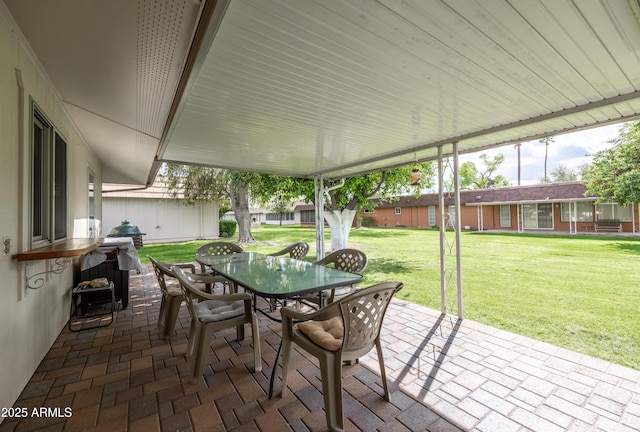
(128, 230)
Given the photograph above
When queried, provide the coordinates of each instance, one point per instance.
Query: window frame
(398, 211)
(431, 215)
(615, 209)
(275, 217)
(507, 216)
(307, 216)
(525, 219)
(564, 211)
(48, 177)
(451, 213)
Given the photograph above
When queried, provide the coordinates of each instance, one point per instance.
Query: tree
(203, 184)
(546, 141)
(472, 177)
(239, 185)
(281, 207)
(195, 184)
(614, 173)
(342, 203)
(561, 173)
(517, 146)
(583, 169)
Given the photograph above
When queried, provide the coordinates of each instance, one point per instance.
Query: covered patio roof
(306, 88)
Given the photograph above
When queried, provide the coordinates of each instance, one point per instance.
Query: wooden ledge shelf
(70, 248)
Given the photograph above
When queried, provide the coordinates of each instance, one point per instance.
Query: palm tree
(546, 141)
(517, 146)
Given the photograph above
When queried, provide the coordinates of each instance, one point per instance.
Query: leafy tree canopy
(561, 173)
(614, 173)
(209, 184)
(473, 177)
(195, 183)
(355, 193)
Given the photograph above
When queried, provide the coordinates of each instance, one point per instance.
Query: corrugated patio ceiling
(303, 87)
(308, 87)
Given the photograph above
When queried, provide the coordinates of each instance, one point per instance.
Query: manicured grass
(577, 292)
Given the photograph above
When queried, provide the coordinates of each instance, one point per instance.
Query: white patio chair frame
(203, 328)
(362, 313)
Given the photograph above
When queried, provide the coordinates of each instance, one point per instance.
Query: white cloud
(572, 150)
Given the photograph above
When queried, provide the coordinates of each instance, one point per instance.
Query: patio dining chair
(341, 331)
(172, 296)
(350, 260)
(213, 312)
(218, 248)
(297, 250)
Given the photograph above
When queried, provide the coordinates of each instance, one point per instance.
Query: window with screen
(48, 182)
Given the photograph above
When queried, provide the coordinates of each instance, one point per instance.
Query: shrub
(227, 228)
(367, 221)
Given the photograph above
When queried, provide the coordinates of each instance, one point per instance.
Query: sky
(571, 150)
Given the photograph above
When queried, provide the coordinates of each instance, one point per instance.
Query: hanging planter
(415, 177)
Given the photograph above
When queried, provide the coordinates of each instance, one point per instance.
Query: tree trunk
(518, 146)
(240, 203)
(340, 222)
(546, 152)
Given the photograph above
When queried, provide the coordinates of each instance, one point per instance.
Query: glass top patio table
(277, 277)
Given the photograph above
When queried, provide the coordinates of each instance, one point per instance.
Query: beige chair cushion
(218, 310)
(328, 334)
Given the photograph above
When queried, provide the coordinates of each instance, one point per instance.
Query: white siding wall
(162, 221)
(31, 319)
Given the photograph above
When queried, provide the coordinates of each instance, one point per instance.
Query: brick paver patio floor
(445, 375)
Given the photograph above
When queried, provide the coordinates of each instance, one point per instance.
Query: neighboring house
(545, 207)
(261, 215)
(160, 217)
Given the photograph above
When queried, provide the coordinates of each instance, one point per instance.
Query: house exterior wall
(162, 220)
(31, 319)
(416, 217)
(485, 216)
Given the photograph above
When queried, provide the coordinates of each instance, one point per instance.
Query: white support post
(458, 225)
(520, 216)
(319, 192)
(443, 262)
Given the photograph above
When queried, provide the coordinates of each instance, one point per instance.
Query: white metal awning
(304, 87)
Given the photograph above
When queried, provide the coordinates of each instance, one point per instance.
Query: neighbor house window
(398, 210)
(452, 215)
(48, 183)
(307, 216)
(277, 217)
(505, 215)
(537, 216)
(583, 211)
(606, 211)
(431, 214)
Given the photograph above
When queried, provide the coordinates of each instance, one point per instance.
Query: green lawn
(577, 292)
